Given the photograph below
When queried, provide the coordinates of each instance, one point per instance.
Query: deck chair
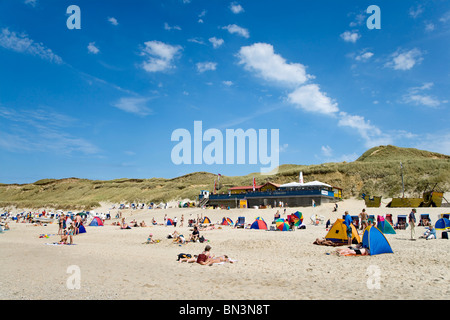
(389, 218)
(424, 220)
(401, 222)
(240, 223)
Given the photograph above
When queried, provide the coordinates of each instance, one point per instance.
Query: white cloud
(134, 105)
(232, 28)
(159, 56)
(21, 43)
(261, 58)
(236, 8)
(113, 21)
(92, 48)
(167, 27)
(311, 99)
(405, 60)
(364, 56)
(216, 42)
(206, 66)
(350, 36)
(228, 83)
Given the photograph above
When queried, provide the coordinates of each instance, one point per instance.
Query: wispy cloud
(134, 105)
(168, 27)
(32, 3)
(206, 66)
(113, 21)
(416, 96)
(235, 29)
(44, 130)
(159, 56)
(92, 48)
(416, 11)
(23, 44)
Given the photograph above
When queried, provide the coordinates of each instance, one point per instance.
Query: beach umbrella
(442, 224)
(259, 224)
(298, 218)
(81, 214)
(282, 225)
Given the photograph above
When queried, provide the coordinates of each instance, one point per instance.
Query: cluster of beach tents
(281, 224)
(373, 238)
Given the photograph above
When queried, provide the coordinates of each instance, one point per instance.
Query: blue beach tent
(442, 224)
(375, 241)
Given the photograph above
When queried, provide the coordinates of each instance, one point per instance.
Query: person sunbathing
(350, 251)
(324, 242)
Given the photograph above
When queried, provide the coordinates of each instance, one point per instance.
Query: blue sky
(101, 102)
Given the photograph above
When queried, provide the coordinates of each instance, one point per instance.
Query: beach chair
(401, 222)
(389, 218)
(240, 223)
(424, 220)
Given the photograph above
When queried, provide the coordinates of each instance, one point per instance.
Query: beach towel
(58, 244)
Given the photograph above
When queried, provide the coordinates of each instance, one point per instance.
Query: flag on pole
(214, 186)
(300, 178)
(254, 184)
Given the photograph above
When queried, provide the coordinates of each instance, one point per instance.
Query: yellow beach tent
(338, 233)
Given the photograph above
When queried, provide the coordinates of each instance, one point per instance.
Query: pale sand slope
(114, 263)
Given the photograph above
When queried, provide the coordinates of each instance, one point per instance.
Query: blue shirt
(348, 220)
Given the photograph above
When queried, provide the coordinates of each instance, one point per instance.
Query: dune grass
(377, 172)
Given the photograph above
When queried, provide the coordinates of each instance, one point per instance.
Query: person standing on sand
(364, 219)
(181, 220)
(348, 223)
(412, 223)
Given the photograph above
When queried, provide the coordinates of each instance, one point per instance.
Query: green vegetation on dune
(376, 172)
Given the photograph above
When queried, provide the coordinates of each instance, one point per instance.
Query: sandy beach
(115, 264)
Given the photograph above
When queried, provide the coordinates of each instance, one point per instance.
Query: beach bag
(184, 255)
(202, 239)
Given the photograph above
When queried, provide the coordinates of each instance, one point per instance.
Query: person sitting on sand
(351, 251)
(429, 234)
(195, 235)
(142, 224)
(149, 239)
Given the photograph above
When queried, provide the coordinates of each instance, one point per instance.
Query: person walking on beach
(364, 219)
(181, 220)
(412, 223)
(175, 222)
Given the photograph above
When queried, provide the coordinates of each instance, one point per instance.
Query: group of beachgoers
(68, 228)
